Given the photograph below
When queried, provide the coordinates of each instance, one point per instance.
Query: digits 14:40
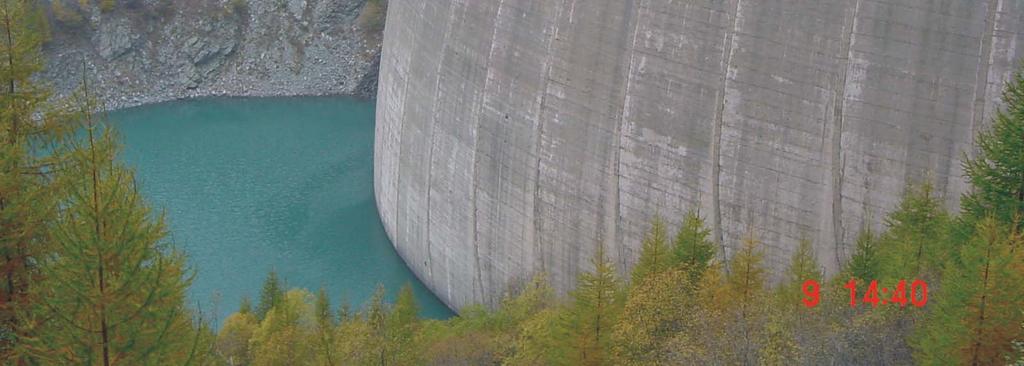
(918, 293)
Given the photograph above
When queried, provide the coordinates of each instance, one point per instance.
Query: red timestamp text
(917, 296)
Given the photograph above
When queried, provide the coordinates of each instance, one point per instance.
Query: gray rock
(154, 53)
(114, 38)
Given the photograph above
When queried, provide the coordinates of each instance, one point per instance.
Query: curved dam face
(516, 136)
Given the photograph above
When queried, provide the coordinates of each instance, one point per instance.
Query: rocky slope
(516, 136)
(144, 51)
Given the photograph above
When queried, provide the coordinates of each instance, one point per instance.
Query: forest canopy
(88, 274)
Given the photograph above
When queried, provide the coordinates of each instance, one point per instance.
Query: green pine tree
(655, 255)
(746, 290)
(246, 306)
(31, 134)
(865, 263)
(693, 249)
(918, 241)
(271, 295)
(804, 264)
(997, 172)
(325, 326)
(402, 325)
(114, 289)
(975, 315)
(376, 318)
(779, 348)
(597, 302)
(655, 312)
(287, 335)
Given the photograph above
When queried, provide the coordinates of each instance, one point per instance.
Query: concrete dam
(517, 136)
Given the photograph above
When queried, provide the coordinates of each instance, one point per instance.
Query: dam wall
(517, 136)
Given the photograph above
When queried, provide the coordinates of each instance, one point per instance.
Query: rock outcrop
(144, 51)
(516, 136)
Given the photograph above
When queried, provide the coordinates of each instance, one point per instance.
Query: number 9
(811, 290)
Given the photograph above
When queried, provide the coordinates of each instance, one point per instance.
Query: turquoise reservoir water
(251, 185)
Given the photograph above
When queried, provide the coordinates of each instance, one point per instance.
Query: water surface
(254, 184)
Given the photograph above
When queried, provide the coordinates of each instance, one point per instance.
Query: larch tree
(976, 316)
(540, 334)
(114, 288)
(597, 301)
(31, 135)
(325, 329)
(917, 243)
(865, 265)
(996, 173)
(746, 287)
(376, 318)
(286, 335)
(245, 307)
(271, 295)
(714, 343)
(693, 248)
(778, 348)
(402, 325)
(655, 312)
(655, 255)
(234, 338)
(803, 266)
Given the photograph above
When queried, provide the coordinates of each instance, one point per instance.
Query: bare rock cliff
(143, 51)
(516, 136)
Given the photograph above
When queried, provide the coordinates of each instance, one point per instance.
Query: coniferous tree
(325, 326)
(779, 347)
(246, 306)
(997, 172)
(804, 265)
(655, 312)
(541, 335)
(114, 289)
(746, 287)
(917, 243)
(864, 264)
(31, 132)
(692, 248)
(376, 319)
(344, 311)
(977, 314)
(655, 255)
(402, 325)
(596, 305)
(541, 340)
(234, 338)
(715, 342)
(271, 295)
(286, 334)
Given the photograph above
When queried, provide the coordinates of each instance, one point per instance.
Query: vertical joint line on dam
(728, 45)
(620, 135)
(981, 76)
(478, 105)
(433, 125)
(838, 161)
(538, 247)
(398, 158)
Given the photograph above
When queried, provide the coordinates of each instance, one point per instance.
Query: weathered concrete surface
(515, 136)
